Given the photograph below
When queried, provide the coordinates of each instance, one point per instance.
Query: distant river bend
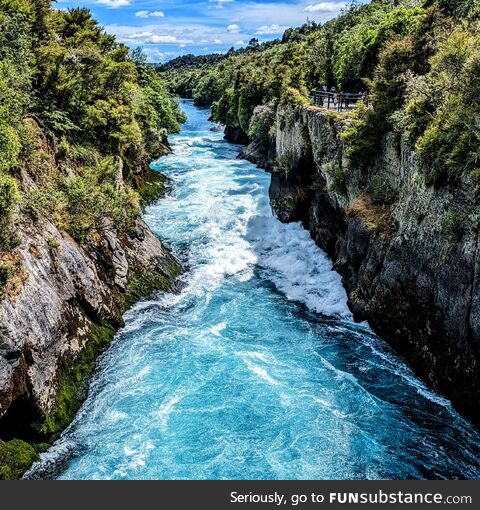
(255, 369)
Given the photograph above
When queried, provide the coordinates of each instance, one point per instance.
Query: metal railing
(340, 101)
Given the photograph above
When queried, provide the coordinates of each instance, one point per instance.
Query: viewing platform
(338, 101)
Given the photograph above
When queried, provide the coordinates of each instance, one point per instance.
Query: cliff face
(409, 268)
(59, 311)
(67, 291)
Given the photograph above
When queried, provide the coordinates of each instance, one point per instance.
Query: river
(255, 369)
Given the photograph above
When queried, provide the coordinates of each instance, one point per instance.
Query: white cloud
(171, 34)
(149, 14)
(325, 7)
(162, 39)
(271, 29)
(289, 13)
(141, 35)
(215, 28)
(114, 4)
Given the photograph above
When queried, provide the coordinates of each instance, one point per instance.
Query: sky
(169, 28)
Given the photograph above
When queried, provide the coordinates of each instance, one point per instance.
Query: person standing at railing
(333, 91)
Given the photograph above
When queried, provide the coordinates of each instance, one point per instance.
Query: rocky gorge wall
(59, 313)
(408, 267)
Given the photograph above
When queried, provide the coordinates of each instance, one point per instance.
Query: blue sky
(168, 28)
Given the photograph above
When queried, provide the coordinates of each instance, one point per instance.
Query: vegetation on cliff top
(419, 60)
(80, 118)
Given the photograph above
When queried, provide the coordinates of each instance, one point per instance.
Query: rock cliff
(60, 311)
(410, 267)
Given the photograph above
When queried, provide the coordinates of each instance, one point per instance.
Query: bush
(9, 147)
(89, 200)
(9, 195)
(261, 122)
(443, 107)
(475, 179)
(250, 96)
(380, 190)
(389, 83)
(293, 97)
(454, 223)
(281, 164)
(88, 204)
(15, 458)
(338, 178)
(7, 271)
(362, 136)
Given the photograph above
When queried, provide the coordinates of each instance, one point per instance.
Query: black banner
(241, 495)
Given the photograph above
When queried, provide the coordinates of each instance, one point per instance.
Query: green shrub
(281, 164)
(389, 83)
(261, 122)
(15, 458)
(455, 223)
(9, 146)
(208, 89)
(250, 96)
(293, 97)
(362, 136)
(7, 271)
(475, 179)
(86, 201)
(89, 206)
(339, 179)
(9, 195)
(442, 109)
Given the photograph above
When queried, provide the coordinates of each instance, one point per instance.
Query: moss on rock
(41, 447)
(72, 381)
(151, 187)
(16, 457)
(147, 281)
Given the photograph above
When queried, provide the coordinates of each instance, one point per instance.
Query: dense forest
(66, 84)
(183, 74)
(419, 61)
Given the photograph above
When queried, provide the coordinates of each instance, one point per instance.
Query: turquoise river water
(255, 369)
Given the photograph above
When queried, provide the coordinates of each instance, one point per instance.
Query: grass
(375, 217)
(152, 187)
